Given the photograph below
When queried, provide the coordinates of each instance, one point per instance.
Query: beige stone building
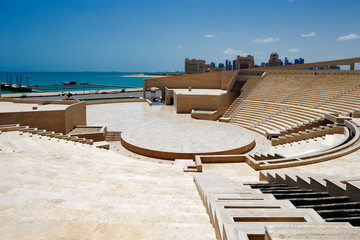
(194, 66)
(245, 62)
(274, 60)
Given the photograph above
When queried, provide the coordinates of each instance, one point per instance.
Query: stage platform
(174, 140)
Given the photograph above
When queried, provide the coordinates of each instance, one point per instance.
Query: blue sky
(157, 35)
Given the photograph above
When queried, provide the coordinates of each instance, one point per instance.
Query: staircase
(239, 211)
(113, 136)
(72, 191)
(329, 197)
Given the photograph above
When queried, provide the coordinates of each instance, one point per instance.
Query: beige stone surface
(60, 190)
(130, 115)
(311, 232)
(192, 136)
(307, 146)
(159, 128)
(346, 166)
(28, 107)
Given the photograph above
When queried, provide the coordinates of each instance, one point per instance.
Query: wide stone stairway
(56, 189)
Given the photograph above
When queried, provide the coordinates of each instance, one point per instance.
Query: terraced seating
(347, 143)
(74, 191)
(9, 127)
(232, 110)
(50, 135)
(334, 198)
(265, 117)
(350, 144)
(277, 87)
(285, 101)
(344, 103)
(240, 212)
(305, 134)
(323, 88)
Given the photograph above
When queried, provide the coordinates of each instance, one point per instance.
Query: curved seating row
(351, 144)
(51, 135)
(265, 117)
(277, 87)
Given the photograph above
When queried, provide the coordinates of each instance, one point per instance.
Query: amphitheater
(268, 153)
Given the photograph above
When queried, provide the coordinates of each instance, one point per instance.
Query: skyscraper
(287, 61)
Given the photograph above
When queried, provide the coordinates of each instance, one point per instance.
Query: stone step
(322, 200)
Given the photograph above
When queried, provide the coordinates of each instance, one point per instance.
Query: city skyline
(156, 36)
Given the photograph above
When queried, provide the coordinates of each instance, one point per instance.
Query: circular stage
(184, 140)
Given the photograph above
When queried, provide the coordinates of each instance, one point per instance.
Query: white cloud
(307, 35)
(351, 36)
(232, 52)
(209, 36)
(293, 50)
(180, 46)
(266, 40)
(258, 53)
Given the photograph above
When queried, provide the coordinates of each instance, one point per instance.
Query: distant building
(333, 67)
(221, 65)
(263, 64)
(281, 62)
(234, 65)
(287, 61)
(212, 65)
(194, 66)
(245, 62)
(274, 60)
(299, 61)
(208, 68)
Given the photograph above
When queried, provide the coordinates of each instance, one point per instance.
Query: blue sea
(52, 81)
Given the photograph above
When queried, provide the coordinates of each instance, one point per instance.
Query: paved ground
(124, 116)
(159, 128)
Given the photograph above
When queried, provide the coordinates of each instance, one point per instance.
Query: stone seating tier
(239, 212)
(50, 135)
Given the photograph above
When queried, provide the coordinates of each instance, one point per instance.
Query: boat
(69, 83)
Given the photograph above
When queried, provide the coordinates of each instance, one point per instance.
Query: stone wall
(61, 121)
(75, 115)
(185, 103)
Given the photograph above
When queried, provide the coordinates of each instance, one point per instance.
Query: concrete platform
(184, 140)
